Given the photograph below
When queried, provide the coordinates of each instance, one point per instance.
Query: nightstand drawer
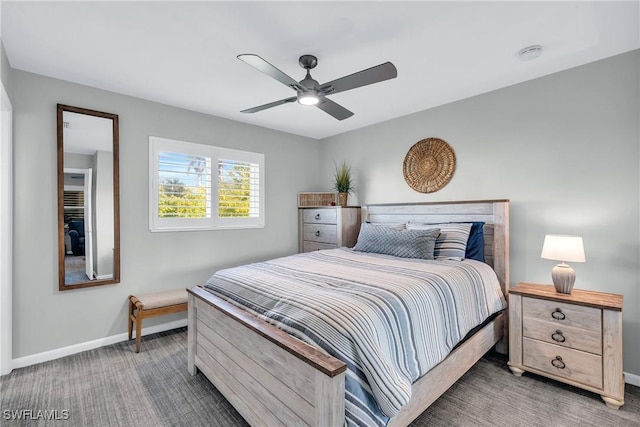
(320, 216)
(564, 335)
(575, 365)
(562, 314)
(323, 233)
(315, 246)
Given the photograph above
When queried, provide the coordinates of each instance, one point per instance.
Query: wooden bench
(152, 305)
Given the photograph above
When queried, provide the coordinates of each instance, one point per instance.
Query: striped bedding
(389, 319)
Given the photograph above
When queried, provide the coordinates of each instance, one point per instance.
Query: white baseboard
(632, 379)
(90, 345)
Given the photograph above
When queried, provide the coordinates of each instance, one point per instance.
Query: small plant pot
(342, 199)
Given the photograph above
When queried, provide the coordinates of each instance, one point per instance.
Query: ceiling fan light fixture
(308, 98)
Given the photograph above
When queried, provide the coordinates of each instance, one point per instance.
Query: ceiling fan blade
(369, 76)
(269, 105)
(334, 109)
(261, 65)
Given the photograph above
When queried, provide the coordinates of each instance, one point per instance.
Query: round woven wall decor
(429, 165)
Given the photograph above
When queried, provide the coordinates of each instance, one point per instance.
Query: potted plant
(343, 183)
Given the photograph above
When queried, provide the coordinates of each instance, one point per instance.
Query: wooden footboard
(269, 376)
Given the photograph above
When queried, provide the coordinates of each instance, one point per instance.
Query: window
(200, 187)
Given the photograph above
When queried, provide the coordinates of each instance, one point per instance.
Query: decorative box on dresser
(327, 227)
(574, 338)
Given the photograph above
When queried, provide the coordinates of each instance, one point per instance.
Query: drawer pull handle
(318, 233)
(317, 216)
(558, 314)
(558, 337)
(558, 363)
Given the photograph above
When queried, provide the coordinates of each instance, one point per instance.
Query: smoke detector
(530, 52)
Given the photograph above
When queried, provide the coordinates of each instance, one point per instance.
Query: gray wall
(563, 148)
(4, 68)
(43, 317)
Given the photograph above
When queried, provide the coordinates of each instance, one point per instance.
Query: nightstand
(574, 338)
(328, 227)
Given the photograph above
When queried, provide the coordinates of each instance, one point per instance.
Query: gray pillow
(395, 225)
(400, 243)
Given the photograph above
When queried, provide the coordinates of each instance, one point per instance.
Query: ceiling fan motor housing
(308, 62)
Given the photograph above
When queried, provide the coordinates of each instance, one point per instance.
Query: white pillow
(452, 241)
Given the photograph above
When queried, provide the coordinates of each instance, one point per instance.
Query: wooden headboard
(494, 213)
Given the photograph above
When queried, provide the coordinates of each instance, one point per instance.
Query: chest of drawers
(327, 227)
(574, 338)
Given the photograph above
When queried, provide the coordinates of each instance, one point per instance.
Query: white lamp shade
(563, 248)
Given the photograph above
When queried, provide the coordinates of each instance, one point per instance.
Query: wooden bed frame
(273, 378)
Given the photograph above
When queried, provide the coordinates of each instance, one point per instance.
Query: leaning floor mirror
(88, 198)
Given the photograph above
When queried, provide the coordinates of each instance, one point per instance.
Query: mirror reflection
(87, 171)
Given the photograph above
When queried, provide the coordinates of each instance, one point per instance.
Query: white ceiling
(184, 53)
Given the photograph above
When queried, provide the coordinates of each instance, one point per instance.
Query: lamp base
(563, 277)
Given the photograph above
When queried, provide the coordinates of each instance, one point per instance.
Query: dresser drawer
(323, 233)
(575, 365)
(316, 246)
(320, 216)
(562, 314)
(564, 335)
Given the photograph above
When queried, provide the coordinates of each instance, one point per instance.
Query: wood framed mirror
(88, 198)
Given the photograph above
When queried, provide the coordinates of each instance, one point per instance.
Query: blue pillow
(475, 244)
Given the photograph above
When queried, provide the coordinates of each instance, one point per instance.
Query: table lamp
(563, 248)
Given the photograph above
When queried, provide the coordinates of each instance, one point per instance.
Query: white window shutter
(196, 186)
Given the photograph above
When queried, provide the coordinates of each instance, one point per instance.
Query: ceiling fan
(310, 92)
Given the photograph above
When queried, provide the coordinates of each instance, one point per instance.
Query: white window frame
(213, 222)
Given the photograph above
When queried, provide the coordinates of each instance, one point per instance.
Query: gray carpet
(75, 269)
(114, 386)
